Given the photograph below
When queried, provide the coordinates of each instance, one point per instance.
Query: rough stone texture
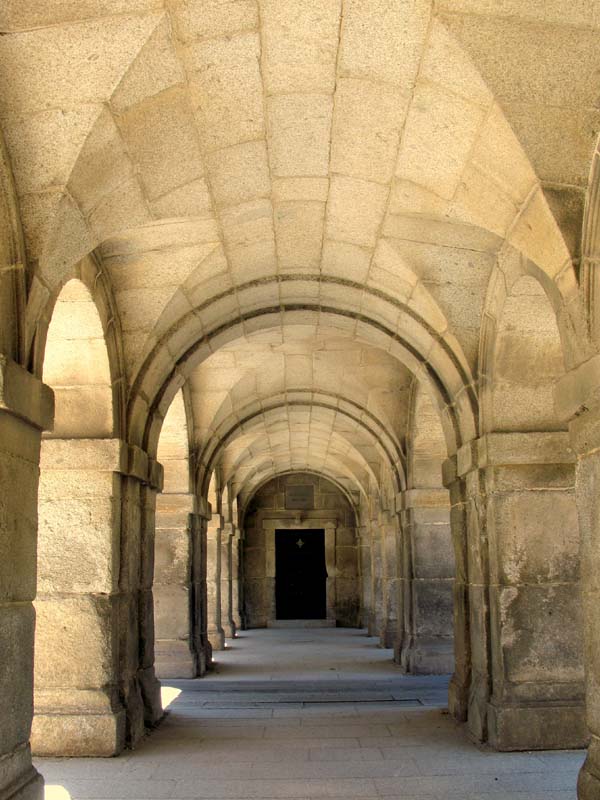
(525, 634)
(304, 217)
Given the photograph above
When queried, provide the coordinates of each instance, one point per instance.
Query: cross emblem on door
(300, 543)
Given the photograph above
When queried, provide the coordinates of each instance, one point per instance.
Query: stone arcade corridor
(313, 713)
(286, 274)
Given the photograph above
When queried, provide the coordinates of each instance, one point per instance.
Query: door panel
(300, 574)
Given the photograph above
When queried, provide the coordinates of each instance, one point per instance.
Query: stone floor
(300, 714)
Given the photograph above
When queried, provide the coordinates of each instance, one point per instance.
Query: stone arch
(76, 366)
(346, 488)
(590, 247)
(77, 705)
(361, 416)
(94, 289)
(12, 264)
(522, 351)
(422, 350)
(261, 427)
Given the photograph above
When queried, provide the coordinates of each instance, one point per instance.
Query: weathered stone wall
(332, 511)
(521, 568)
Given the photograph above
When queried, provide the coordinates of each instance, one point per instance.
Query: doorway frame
(291, 533)
(282, 521)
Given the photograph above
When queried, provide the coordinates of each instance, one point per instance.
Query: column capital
(25, 396)
(508, 449)
(175, 501)
(204, 508)
(421, 498)
(110, 455)
(579, 389)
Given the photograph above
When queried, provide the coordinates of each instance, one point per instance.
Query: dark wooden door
(300, 574)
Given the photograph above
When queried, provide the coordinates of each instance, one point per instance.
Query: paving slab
(276, 731)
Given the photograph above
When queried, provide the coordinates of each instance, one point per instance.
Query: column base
(425, 657)
(588, 784)
(389, 636)
(150, 686)
(217, 639)
(18, 778)
(229, 630)
(458, 699)
(542, 727)
(79, 735)
(173, 659)
(29, 787)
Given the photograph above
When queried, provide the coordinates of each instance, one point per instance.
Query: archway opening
(300, 553)
(77, 705)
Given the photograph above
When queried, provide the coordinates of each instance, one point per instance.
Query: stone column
(236, 551)
(425, 638)
(331, 571)
(95, 683)
(347, 582)
(377, 617)
(26, 407)
(227, 622)
(216, 635)
(198, 525)
(150, 477)
(526, 688)
(390, 584)
(577, 397)
(366, 587)
(77, 705)
(175, 651)
(460, 683)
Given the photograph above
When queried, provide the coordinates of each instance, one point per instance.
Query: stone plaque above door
(301, 497)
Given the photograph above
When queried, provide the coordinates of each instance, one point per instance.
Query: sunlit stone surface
(335, 250)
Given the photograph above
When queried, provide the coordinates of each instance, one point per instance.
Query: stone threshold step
(305, 702)
(301, 623)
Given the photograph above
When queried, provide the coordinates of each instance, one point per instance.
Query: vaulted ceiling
(298, 204)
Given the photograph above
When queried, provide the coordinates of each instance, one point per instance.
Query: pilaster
(522, 564)
(176, 651)
(578, 396)
(26, 408)
(425, 628)
(106, 489)
(216, 634)
(236, 554)
(227, 622)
